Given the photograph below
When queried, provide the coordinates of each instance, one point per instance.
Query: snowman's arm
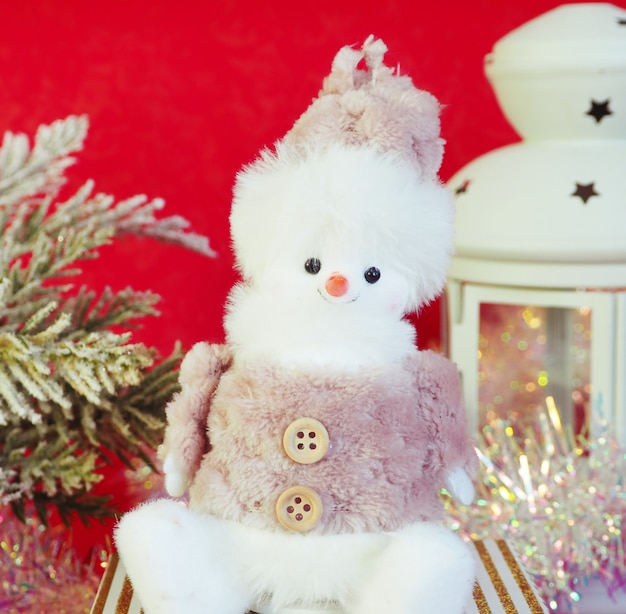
(459, 484)
(186, 439)
(454, 452)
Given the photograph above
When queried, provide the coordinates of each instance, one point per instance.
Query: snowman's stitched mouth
(337, 302)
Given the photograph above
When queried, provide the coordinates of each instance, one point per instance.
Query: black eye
(312, 266)
(372, 275)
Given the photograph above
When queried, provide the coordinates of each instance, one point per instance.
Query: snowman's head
(346, 226)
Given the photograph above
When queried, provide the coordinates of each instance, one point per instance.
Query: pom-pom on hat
(376, 106)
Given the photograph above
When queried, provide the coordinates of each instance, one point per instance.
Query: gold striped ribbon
(126, 596)
(520, 577)
(523, 584)
(105, 585)
(122, 605)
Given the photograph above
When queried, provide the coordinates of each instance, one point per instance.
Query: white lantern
(541, 227)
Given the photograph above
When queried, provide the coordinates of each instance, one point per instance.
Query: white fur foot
(322, 609)
(179, 561)
(425, 569)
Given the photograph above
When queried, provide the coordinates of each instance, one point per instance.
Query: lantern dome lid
(563, 74)
(554, 202)
(584, 35)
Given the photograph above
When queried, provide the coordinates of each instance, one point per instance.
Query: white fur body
(212, 566)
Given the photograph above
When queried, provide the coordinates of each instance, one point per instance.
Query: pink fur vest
(392, 434)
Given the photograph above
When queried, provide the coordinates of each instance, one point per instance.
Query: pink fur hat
(375, 105)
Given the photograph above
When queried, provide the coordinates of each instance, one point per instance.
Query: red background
(181, 93)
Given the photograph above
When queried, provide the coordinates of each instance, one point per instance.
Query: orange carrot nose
(337, 285)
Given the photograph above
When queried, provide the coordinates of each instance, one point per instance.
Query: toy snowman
(315, 441)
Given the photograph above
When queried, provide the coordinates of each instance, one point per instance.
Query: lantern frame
(475, 282)
(540, 222)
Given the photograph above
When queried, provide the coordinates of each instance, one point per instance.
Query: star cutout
(599, 110)
(462, 188)
(585, 191)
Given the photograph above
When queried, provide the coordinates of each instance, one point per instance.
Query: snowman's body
(315, 441)
(349, 526)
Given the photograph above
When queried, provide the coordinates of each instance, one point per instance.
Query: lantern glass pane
(527, 353)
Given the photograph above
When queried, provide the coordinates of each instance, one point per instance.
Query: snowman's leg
(179, 561)
(425, 569)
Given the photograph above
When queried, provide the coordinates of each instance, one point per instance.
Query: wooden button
(306, 441)
(299, 508)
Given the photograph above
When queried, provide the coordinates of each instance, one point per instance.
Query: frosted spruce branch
(73, 392)
(33, 177)
(25, 173)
